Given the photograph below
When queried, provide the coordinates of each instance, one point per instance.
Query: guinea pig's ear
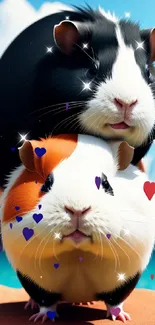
(123, 153)
(148, 36)
(66, 34)
(27, 156)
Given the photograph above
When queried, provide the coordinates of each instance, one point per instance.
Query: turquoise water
(8, 276)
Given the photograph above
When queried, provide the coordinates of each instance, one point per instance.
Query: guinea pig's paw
(117, 313)
(45, 313)
(32, 304)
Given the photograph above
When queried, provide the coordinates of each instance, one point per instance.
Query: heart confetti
(28, 233)
(51, 314)
(11, 225)
(56, 266)
(13, 149)
(108, 236)
(67, 106)
(152, 276)
(80, 259)
(115, 311)
(149, 189)
(37, 217)
(19, 219)
(17, 208)
(98, 181)
(39, 206)
(40, 151)
(36, 182)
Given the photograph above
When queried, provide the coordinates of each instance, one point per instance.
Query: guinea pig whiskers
(69, 118)
(133, 249)
(82, 49)
(121, 249)
(61, 109)
(54, 105)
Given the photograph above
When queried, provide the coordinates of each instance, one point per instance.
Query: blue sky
(141, 10)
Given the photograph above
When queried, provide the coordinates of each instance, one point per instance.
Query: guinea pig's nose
(123, 105)
(77, 213)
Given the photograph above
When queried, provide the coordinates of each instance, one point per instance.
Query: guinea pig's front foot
(117, 313)
(44, 314)
(32, 304)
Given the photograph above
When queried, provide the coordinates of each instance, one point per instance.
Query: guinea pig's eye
(105, 184)
(93, 70)
(48, 183)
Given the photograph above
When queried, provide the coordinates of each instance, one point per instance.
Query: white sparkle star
(86, 85)
(67, 17)
(126, 232)
(49, 49)
(140, 45)
(85, 46)
(40, 276)
(121, 277)
(23, 137)
(57, 236)
(127, 14)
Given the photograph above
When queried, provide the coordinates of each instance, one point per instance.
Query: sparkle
(40, 276)
(85, 46)
(67, 17)
(121, 277)
(126, 232)
(140, 45)
(127, 14)
(49, 49)
(86, 85)
(23, 137)
(57, 236)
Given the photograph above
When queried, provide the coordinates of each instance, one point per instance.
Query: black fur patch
(38, 294)
(117, 296)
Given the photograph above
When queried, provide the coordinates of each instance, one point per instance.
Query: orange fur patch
(26, 193)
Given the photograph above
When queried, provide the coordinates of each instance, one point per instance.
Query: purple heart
(36, 182)
(11, 225)
(108, 236)
(80, 259)
(28, 233)
(18, 218)
(98, 181)
(17, 208)
(115, 311)
(37, 217)
(39, 206)
(51, 314)
(56, 266)
(40, 151)
(13, 149)
(67, 106)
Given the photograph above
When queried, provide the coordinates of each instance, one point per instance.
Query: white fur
(109, 15)
(127, 84)
(74, 186)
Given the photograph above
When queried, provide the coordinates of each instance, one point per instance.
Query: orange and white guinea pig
(76, 223)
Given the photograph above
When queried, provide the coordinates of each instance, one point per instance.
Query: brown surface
(140, 305)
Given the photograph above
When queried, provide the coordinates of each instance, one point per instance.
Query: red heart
(149, 189)
(152, 276)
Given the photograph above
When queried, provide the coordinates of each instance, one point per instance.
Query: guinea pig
(76, 223)
(80, 71)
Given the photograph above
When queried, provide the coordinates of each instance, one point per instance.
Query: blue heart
(18, 218)
(51, 314)
(11, 225)
(56, 265)
(17, 208)
(13, 149)
(40, 151)
(28, 233)
(37, 217)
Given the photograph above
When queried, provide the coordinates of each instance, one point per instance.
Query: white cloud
(16, 15)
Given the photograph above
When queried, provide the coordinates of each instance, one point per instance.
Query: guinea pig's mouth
(119, 126)
(77, 236)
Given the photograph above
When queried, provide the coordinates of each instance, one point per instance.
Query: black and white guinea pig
(80, 71)
(73, 224)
